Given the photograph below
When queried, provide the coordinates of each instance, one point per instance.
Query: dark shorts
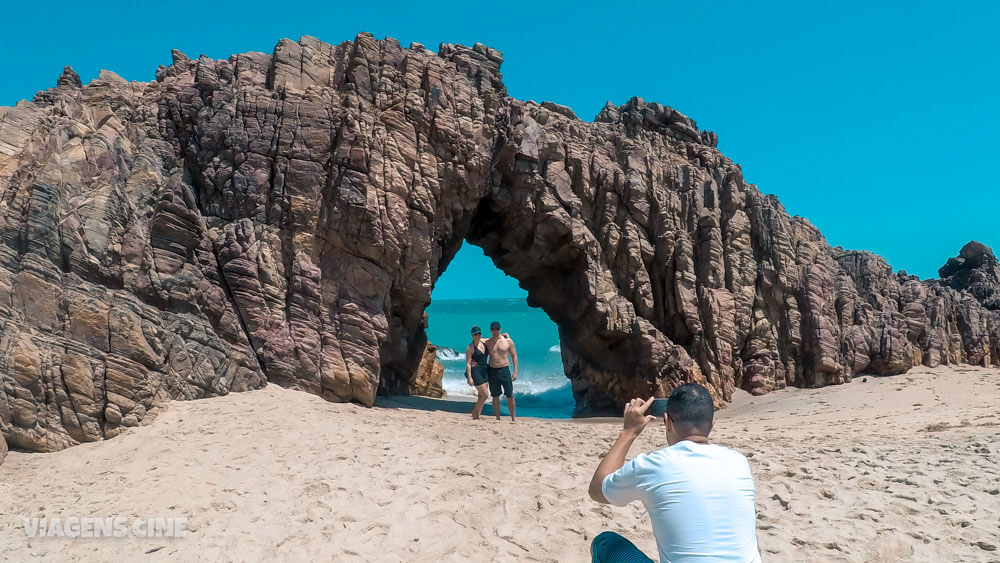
(500, 380)
(609, 547)
(479, 376)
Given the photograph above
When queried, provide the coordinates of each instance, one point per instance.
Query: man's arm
(635, 421)
(513, 356)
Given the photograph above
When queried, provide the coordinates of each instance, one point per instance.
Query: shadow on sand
(429, 404)
(461, 406)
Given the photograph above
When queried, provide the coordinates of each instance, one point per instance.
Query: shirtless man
(498, 373)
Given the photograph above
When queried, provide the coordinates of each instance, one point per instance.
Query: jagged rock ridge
(283, 217)
(977, 271)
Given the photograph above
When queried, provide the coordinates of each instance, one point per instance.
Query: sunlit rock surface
(283, 217)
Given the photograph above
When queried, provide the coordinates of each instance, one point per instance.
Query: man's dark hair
(690, 407)
(495, 325)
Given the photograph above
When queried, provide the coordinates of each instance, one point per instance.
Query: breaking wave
(445, 354)
(545, 395)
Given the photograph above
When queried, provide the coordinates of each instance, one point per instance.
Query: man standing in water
(498, 372)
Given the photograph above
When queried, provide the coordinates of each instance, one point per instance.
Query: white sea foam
(445, 354)
(555, 349)
(455, 386)
(527, 384)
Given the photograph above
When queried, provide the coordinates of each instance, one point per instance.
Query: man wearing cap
(502, 353)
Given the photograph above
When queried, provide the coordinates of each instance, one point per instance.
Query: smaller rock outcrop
(560, 109)
(977, 271)
(69, 78)
(637, 115)
(430, 373)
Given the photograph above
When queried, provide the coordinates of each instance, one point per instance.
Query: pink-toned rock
(283, 217)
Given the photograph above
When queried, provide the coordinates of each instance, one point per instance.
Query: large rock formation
(283, 217)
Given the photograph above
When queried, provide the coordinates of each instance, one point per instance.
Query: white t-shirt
(700, 499)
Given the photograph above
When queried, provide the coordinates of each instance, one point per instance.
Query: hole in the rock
(473, 291)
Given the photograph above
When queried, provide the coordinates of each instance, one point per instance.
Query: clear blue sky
(879, 124)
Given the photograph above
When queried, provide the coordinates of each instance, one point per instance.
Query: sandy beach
(881, 469)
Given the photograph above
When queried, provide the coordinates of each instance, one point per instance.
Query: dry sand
(895, 468)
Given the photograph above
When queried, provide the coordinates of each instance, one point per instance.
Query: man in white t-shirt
(699, 496)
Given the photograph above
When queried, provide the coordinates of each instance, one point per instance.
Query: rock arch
(283, 217)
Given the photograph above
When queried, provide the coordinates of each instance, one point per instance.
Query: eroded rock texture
(283, 217)
(977, 271)
(430, 375)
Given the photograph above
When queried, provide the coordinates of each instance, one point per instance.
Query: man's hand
(635, 420)
(635, 415)
(514, 376)
(471, 384)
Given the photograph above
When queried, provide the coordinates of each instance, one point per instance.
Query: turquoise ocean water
(542, 389)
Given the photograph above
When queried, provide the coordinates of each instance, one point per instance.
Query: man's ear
(669, 423)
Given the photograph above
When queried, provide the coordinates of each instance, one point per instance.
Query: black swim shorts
(479, 376)
(499, 379)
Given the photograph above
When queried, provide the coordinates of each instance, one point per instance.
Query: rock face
(283, 217)
(977, 271)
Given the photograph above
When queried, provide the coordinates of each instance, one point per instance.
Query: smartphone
(658, 408)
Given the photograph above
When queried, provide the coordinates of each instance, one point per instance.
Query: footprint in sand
(315, 488)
